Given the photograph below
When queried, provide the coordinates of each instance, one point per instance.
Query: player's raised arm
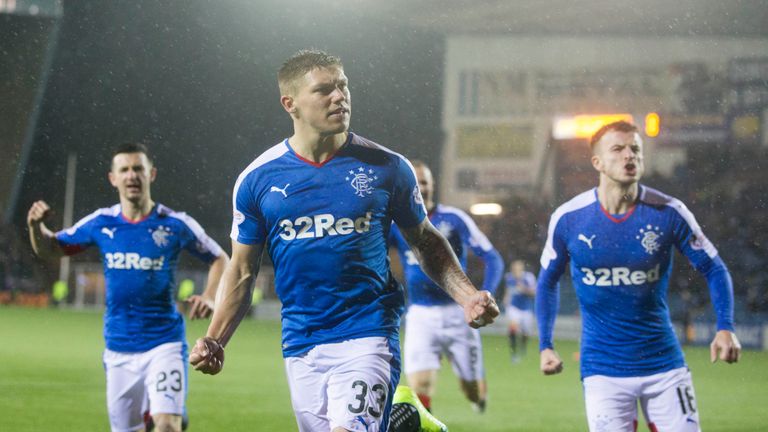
(440, 263)
(42, 239)
(233, 301)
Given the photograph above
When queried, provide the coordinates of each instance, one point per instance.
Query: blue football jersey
(620, 267)
(517, 298)
(462, 233)
(140, 259)
(325, 226)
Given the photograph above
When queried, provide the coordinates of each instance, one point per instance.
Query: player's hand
(207, 356)
(549, 362)
(481, 309)
(199, 307)
(38, 212)
(728, 346)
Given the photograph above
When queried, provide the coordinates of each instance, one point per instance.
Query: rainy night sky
(198, 84)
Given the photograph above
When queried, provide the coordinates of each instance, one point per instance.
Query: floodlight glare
(485, 209)
(652, 124)
(584, 126)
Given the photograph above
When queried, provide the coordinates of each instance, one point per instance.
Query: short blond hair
(300, 64)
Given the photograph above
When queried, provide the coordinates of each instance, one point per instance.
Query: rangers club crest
(417, 198)
(445, 228)
(361, 181)
(649, 238)
(160, 236)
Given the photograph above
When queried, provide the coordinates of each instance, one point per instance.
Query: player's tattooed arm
(42, 239)
(439, 262)
(233, 300)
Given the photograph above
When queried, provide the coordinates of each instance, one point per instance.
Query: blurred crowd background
(196, 81)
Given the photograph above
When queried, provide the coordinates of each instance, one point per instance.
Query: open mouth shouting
(339, 112)
(630, 168)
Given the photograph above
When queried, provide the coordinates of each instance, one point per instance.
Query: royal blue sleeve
(691, 241)
(483, 249)
(80, 236)
(392, 237)
(494, 269)
(554, 259)
(198, 243)
(721, 292)
(407, 204)
(248, 225)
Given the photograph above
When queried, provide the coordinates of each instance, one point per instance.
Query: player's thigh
(669, 403)
(307, 383)
(526, 322)
(465, 352)
(422, 347)
(611, 403)
(513, 314)
(360, 386)
(422, 382)
(166, 378)
(125, 391)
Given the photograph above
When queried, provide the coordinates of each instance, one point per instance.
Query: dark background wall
(196, 80)
(23, 42)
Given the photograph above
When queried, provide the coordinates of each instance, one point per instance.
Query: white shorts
(523, 319)
(431, 331)
(667, 401)
(348, 384)
(154, 380)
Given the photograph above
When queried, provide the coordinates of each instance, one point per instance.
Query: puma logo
(109, 232)
(282, 191)
(586, 240)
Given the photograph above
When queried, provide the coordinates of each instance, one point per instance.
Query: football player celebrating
(518, 299)
(619, 239)
(140, 241)
(322, 201)
(434, 325)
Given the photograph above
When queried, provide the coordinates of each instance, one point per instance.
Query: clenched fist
(207, 356)
(38, 212)
(481, 309)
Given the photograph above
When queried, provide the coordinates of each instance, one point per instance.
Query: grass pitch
(51, 379)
